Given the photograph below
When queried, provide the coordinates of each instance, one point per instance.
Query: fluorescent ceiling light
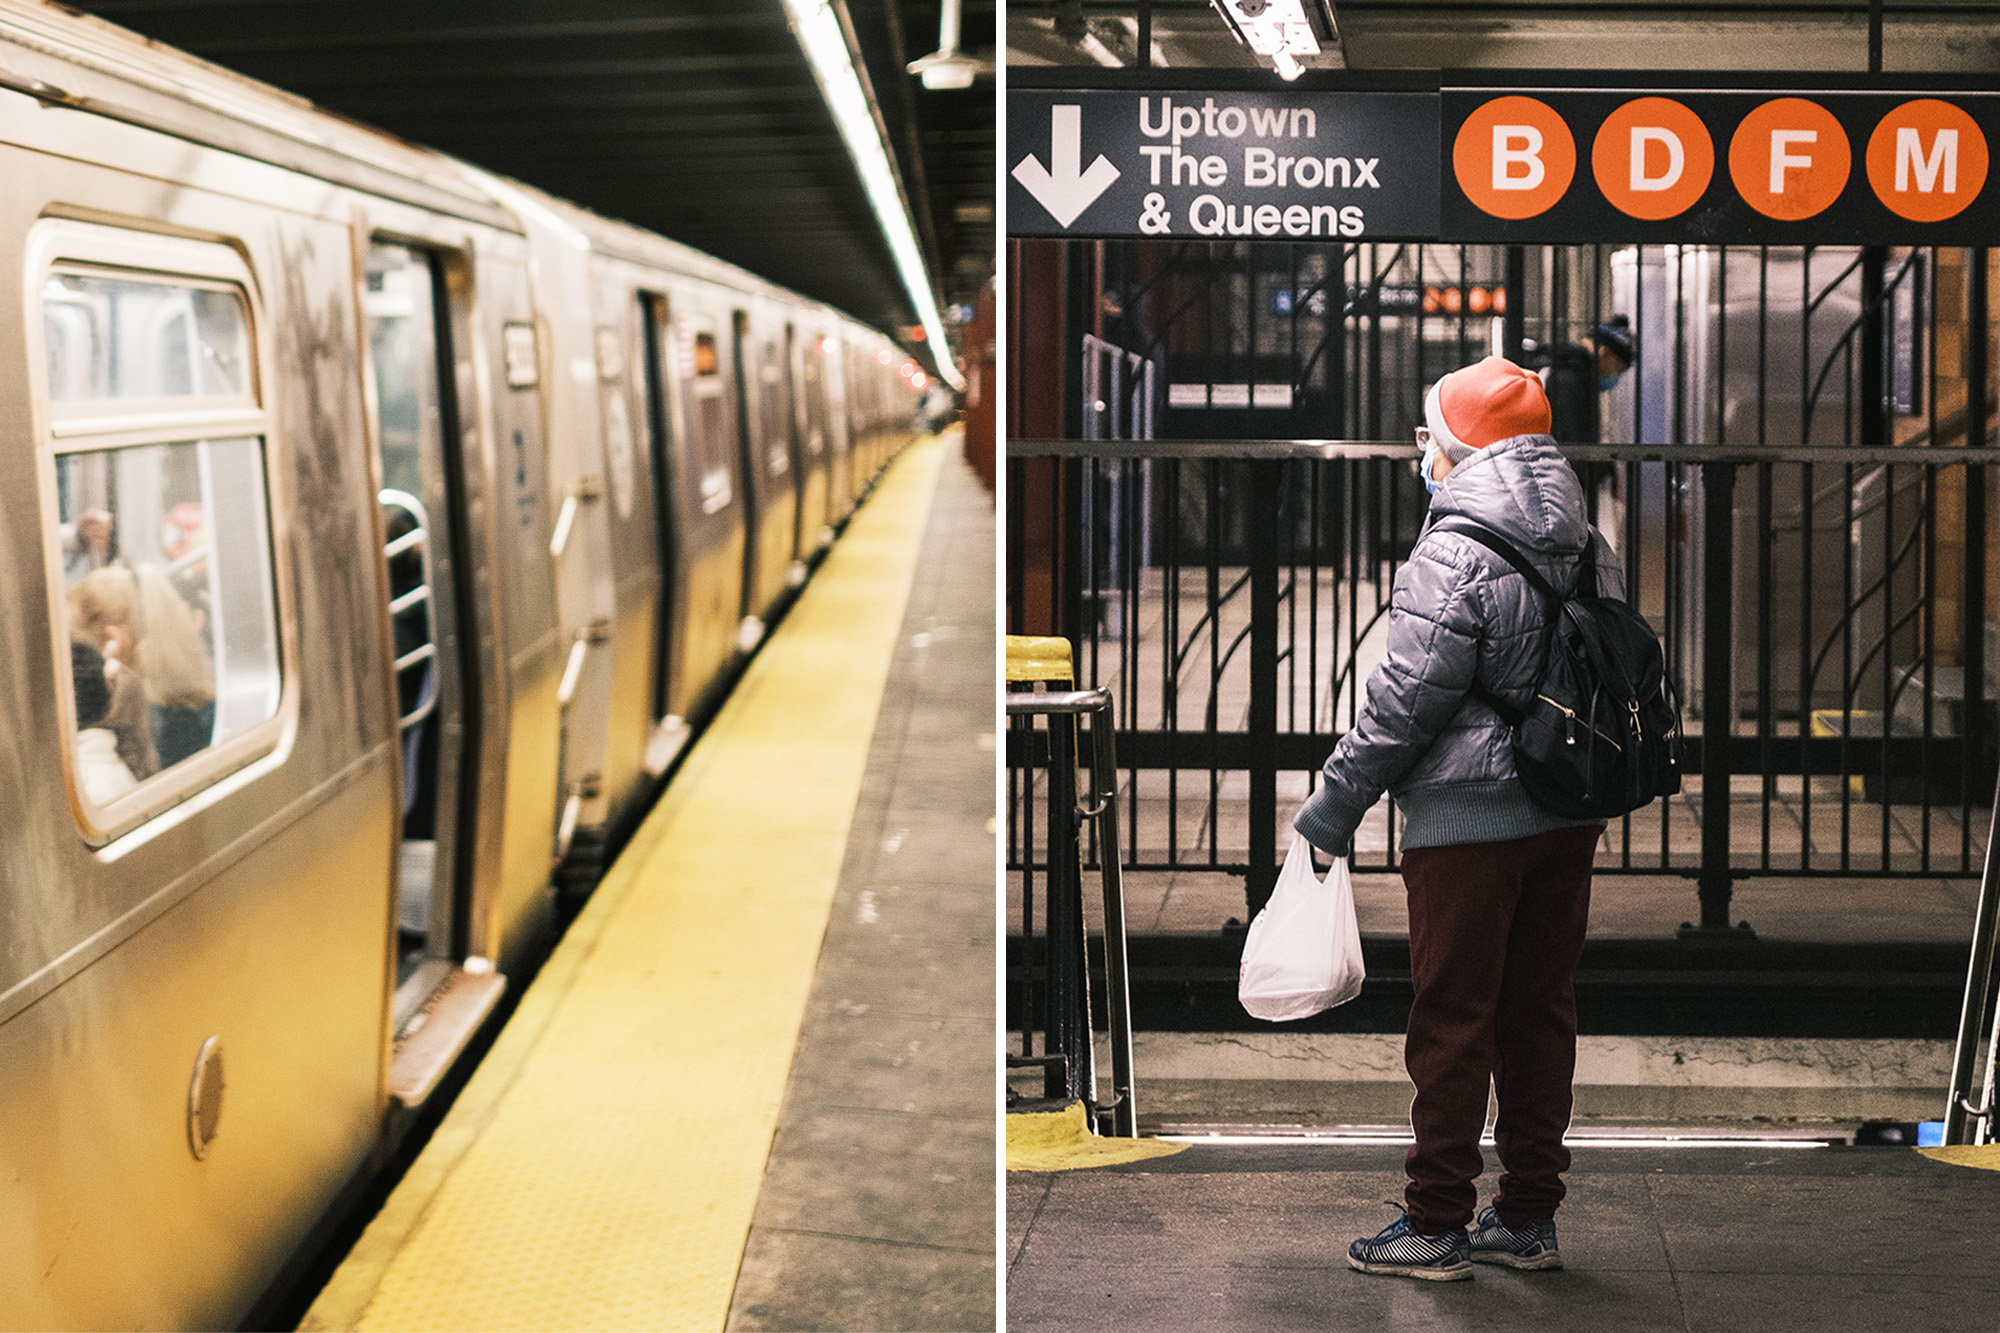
(820, 35)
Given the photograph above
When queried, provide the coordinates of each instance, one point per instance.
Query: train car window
(117, 338)
(167, 632)
(167, 605)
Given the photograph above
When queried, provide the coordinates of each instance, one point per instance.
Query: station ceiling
(699, 121)
(1940, 35)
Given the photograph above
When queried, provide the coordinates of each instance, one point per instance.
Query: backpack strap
(1500, 546)
(1503, 548)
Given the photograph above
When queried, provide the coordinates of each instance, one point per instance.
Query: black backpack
(1602, 735)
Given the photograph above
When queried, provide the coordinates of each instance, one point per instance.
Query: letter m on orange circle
(1927, 160)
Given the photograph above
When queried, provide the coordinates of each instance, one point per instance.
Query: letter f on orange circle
(1789, 159)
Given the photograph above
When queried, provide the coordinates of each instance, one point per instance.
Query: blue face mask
(1607, 384)
(1426, 464)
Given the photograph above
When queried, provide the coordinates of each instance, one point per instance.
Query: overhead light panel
(823, 38)
(1278, 30)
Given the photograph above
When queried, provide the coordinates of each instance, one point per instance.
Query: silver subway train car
(377, 530)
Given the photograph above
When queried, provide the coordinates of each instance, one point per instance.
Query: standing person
(1576, 377)
(1499, 889)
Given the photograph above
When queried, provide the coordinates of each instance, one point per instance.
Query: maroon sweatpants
(1496, 929)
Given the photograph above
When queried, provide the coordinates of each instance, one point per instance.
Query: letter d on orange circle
(1652, 158)
(1514, 157)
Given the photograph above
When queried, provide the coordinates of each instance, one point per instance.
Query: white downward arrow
(1065, 191)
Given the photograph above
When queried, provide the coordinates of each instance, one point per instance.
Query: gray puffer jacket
(1459, 611)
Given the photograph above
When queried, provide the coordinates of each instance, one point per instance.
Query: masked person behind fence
(137, 620)
(1499, 889)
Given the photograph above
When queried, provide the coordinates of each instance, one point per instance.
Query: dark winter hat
(1616, 334)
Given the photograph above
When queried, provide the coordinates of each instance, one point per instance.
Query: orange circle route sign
(1926, 160)
(1652, 158)
(1514, 157)
(1789, 159)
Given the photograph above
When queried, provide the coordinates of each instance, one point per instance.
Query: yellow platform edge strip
(1061, 1141)
(601, 1168)
(1984, 1157)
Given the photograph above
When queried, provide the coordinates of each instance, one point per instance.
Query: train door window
(166, 613)
(408, 351)
(771, 409)
(812, 399)
(713, 438)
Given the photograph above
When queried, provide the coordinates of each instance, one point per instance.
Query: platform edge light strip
(820, 35)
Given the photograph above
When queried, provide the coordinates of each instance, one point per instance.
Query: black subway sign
(1523, 163)
(1189, 166)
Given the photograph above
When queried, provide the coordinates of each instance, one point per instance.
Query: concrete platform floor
(877, 1206)
(1767, 1238)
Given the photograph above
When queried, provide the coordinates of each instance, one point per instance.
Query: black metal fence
(1801, 507)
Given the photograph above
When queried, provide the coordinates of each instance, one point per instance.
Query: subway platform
(1771, 1236)
(752, 1086)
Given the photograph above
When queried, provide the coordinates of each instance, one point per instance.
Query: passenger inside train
(100, 770)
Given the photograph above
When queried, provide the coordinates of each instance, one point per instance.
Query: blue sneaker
(1398, 1251)
(1530, 1245)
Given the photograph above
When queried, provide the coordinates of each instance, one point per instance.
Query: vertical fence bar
(1266, 480)
(1978, 350)
(1718, 566)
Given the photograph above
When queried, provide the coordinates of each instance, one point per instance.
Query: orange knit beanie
(1494, 400)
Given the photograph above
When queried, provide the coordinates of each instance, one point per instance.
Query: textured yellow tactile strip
(601, 1168)
(1984, 1157)
(1060, 1141)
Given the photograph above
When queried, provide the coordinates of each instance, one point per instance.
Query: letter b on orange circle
(1652, 158)
(1927, 160)
(1514, 157)
(1789, 159)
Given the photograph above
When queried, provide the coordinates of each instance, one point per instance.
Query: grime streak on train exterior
(377, 532)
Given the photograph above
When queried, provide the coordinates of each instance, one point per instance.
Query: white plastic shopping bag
(1303, 952)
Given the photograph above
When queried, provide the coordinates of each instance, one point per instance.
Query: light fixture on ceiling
(1275, 29)
(949, 67)
(822, 34)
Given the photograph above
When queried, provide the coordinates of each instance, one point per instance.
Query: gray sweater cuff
(1328, 822)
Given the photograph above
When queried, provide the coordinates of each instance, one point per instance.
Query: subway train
(379, 531)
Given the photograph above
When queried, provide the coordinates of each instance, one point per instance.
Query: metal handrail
(1931, 455)
(1100, 806)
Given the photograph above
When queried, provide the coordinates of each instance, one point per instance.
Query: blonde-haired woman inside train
(163, 682)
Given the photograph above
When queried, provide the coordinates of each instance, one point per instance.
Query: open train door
(408, 313)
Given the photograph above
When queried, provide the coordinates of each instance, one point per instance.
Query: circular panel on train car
(205, 1088)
